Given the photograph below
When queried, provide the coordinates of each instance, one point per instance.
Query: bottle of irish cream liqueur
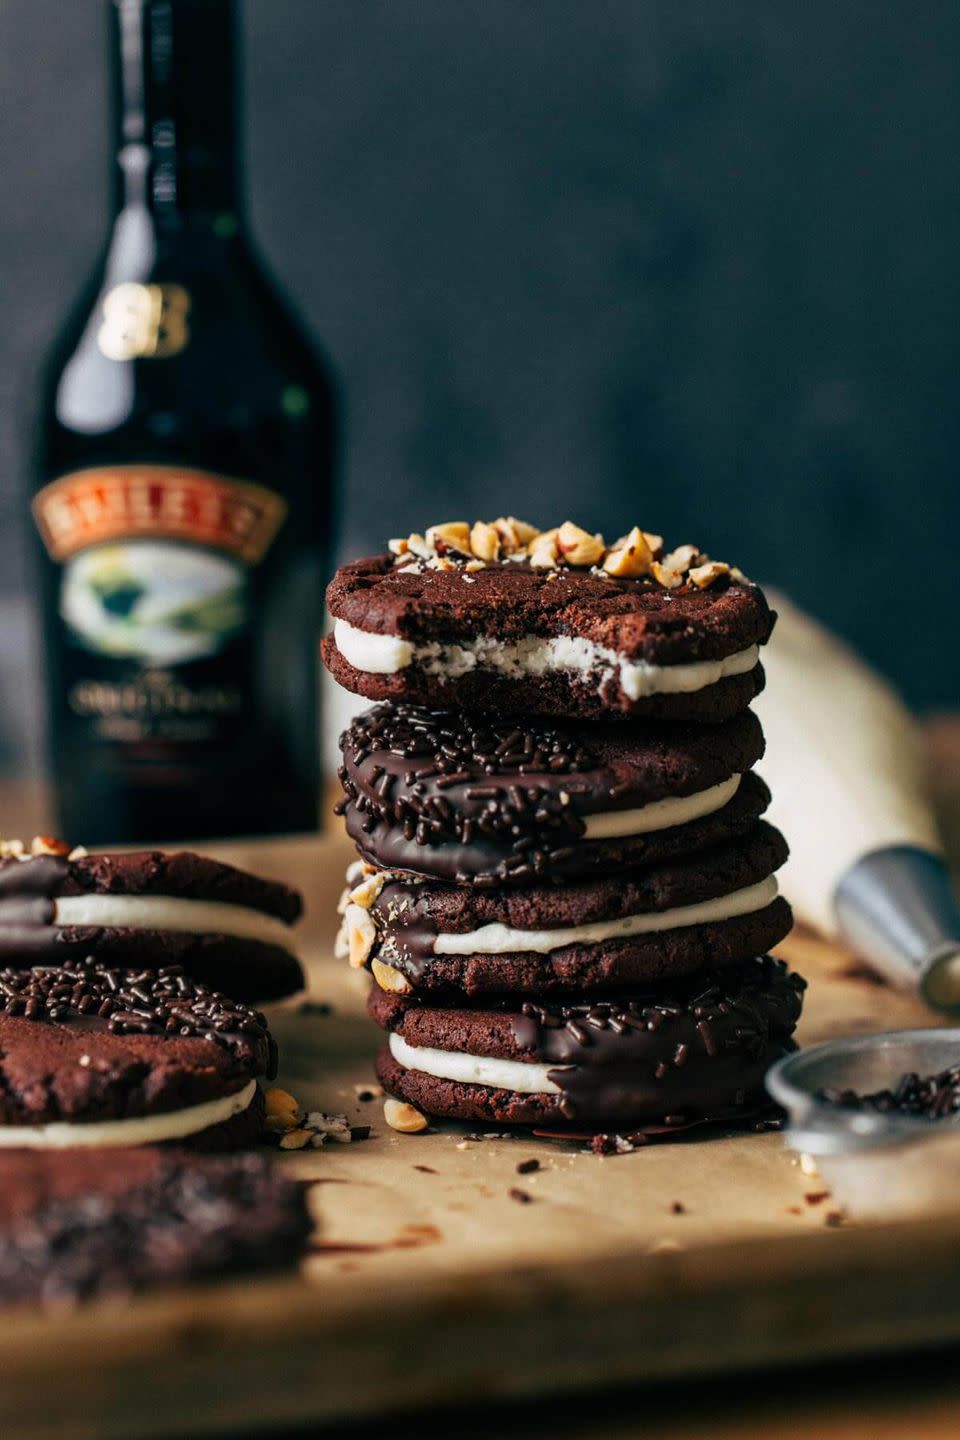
(183, 480)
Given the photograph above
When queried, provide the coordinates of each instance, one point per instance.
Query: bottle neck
(174, 74)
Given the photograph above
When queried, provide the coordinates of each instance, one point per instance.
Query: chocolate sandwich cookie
(92, 1056)
(85, 1223)
(665, 638)
(229, 929)
(680, 1053)
(674, 918)
(477, 800)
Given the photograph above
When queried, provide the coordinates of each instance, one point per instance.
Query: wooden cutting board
(432, 1284)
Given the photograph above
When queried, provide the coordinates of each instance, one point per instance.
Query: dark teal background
(687, 264)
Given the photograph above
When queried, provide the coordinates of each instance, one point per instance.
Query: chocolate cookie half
(674, 918)
(513, 638)
(229, 929)
(472, 799)
(91, 1056)
(681, 1053)
(87, 1223)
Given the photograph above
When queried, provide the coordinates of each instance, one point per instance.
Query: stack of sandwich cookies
(562, 905)
(125, 983)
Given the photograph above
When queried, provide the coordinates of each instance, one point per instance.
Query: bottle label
(155, 575)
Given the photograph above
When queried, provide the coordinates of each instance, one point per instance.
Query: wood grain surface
(431, 1285)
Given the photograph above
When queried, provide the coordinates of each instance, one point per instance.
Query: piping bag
(847, 768)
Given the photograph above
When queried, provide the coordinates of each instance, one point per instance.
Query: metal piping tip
(896, 908)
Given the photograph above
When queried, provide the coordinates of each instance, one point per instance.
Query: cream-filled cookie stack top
(565, 890)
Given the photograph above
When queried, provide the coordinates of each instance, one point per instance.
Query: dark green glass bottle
(183, 479)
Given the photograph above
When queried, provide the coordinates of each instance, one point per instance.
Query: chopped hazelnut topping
(388, 977)
(283, 1112)
(296, 1139)
(367, 891)
(484, 541)
(508, 535)
(361, 935)
(452, 535)
(631, 556)
(404, 1118)
(705, 575)
(669, 579)
(341, 943)
(579, 547)
(543, 553)
(681, 559)
(458, 545)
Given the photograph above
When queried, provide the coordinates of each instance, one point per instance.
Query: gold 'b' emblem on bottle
(144, 321)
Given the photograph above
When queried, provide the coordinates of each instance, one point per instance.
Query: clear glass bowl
(876, 1166)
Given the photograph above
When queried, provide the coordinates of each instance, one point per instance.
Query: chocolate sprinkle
(451, 748)
(741, 993)
(129, 1002)
(928, 1097)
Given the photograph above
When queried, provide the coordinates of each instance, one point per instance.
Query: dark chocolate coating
(675, 1054)
(473, 800)
(84, 1223)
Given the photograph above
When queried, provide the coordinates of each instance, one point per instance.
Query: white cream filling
(534, 655)
(140, 1130)
(500, 939)
(162, 912)
(660, 814)
(476, 1069)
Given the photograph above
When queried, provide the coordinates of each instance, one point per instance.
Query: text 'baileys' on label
(90, 507)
